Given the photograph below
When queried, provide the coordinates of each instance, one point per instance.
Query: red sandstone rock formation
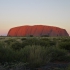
(37, 30)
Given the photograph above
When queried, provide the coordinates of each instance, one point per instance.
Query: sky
(34, 12)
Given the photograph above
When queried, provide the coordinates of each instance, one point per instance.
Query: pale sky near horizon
(32, 12)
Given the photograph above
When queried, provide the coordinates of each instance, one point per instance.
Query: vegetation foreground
(34, 53)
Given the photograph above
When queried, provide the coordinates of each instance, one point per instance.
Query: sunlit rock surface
(37, 30)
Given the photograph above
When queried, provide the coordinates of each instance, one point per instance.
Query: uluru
(37, 30)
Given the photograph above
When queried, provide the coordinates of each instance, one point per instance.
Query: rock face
(37, 30)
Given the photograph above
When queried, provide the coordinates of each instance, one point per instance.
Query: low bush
(9, 41)
(2, 44)
(35, 55)
(64, 45)
(7, 55)
(23, 39)
(16, 46)
(58, 54)
(65, 39)
(41, 42)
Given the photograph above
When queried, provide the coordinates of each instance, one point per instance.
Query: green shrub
(41, 42)
(45, 39)
(35, 55)
(9, 41)
(7, 55)
(64, 45)
(2, 44)
(23, 39)
(58, 54)
(31, 41)
(65, 39)
(16, 46)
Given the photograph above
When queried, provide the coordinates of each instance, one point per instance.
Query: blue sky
(32, 12)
